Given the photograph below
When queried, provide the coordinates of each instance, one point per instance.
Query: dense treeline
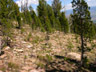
(49, 18)
(8, 11)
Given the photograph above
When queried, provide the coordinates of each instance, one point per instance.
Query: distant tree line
(48, 18)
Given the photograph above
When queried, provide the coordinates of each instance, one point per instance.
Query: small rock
(26, 68)
(1, 71)
(7, 48)
(34, 70)
(74, 56)
(24, 42)
(29, 46)
(3, 56)
(19, 50)
(22, 71)
(41, 70)
(1, 62)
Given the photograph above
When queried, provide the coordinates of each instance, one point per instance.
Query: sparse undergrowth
(34, 47)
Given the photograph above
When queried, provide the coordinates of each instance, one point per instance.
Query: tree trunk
(82, 46)
(0, 46)
(82, 50)
(47, 38)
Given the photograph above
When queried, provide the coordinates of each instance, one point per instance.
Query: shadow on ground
(2, 52)
(64, 64)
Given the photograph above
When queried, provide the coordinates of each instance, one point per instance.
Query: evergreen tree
(40, 25)
(4, 9)
(17, 15)
(64, 23)
(43, 15)
(70, 24)
(56, 5)
(51, 16)
(34, 18)
(57, 24)
(19, 21)
(36, 23)
(28, 17)
(25, 12)
(23, 18)
(82, 24)
(5, 18)
(11, 9)
(5, 6)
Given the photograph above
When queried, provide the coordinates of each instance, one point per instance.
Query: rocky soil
(29, 51)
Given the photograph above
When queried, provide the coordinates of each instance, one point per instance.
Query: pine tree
(40, 25)
(56, 5)
(51, 16)
(28, 17)
(23, 18)
(43, 15)
(82, 24)
(70, 24)
(57, 24)
(11, 9)
(6, 11)
(34, 24)
(3, 9)
(25, 12)
(19, 21)
(5, 6)
(64, 23)
(17, 14)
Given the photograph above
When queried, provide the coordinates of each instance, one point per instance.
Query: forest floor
(29, 51)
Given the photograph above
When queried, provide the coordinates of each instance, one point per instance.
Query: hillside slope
(31, 52)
